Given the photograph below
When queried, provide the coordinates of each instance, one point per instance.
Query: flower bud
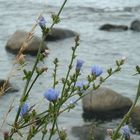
(42, 21)
(79, 64)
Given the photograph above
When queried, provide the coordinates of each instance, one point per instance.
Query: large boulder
(60, 33)
(89, 132)
(112, 27)
(135, 118)
(16, 40)
(135, 25)
(104, 104)
(6, 87)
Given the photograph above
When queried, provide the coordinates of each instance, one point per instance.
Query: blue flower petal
(24, 109)
(80, 84)
(79, 64)
(42, 21)
(96, 70)
(51, 94)
(125, 131)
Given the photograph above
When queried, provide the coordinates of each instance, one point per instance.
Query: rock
(135, 118)
(6, 87)
(105, 104)
(89, 132)
(60, 33)
(16, 40)
(111, 27)
(135, 25)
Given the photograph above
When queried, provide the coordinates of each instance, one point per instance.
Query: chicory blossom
(51, 94)
(125, 131)
(42, 21)
(80, 84)
(24, 109)
(79, 64)
(96, 70)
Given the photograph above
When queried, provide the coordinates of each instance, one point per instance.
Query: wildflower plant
(38, 122)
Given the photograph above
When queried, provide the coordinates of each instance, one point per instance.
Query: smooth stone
(135, 25)
(8, 86)
(60, 33)
(104, 104)
(89, 132)
(135, 118)
(16, 40)
(112, 27)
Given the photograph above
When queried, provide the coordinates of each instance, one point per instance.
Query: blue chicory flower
(125, 131)
(24, 109)
(42, 21)
(96, 70)
(79, 64)
(80, 84)
(51, 94)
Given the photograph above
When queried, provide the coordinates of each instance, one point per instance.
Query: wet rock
(104, 104)
(135, 118)
(16, 40)
(60, 33)
(89, 132)
(6, 87)
(135, 25)
(112, 27)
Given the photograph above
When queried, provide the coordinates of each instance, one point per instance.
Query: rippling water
(97, 47)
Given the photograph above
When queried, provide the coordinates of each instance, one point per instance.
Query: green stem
(25, 95)
(53, 126)
(59, 12)
(54, 121)
(43, 136)
(57, 128)
(70, 66)
(54, 76)
(126, 117)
